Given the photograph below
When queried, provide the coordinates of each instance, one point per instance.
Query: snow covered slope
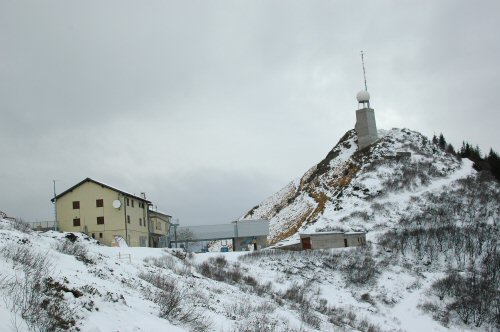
(62, 281)
(431, 262)
(346, 190)
(66, 281)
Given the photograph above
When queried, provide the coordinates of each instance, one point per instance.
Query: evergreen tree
(476, 154)
(462, 150)
(442, 142)
(450, 149)
(493, 156)
(490, 162)
(466, 150)
(494, 162)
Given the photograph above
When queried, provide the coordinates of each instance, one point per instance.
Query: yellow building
(159, 224)
(105, 213)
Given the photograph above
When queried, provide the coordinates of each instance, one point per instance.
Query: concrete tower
(366, 127)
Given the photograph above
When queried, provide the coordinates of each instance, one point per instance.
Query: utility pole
(175, 231)
(55, 207)
(236, 233)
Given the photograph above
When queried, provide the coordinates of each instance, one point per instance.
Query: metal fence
(42, 225)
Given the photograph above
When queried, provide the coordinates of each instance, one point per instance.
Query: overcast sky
(212, 106)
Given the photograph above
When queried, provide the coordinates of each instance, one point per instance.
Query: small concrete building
(327, 240)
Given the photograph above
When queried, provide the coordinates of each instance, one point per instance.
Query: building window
(128, 219)
(99, 202)
(140, 205)
(100, 235)
(76, 222)
(132, 203)
(158, 225)
(140, 221)
(93, 235)
(128, 202)
(76, 205)
(100, 220)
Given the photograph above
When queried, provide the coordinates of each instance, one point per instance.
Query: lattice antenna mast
(364, 71)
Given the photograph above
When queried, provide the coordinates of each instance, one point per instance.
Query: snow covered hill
(431, 262)
(432, 226)
(346, 189)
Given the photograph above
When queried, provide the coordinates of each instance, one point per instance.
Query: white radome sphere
(363, 96)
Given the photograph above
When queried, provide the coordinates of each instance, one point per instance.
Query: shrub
(438, 314)
(360, 267)
(469, 296)
(35, 296)
(368, 299)
(26, 258)
(235, 273)
(20, 225)
(239, 310)
(215, 268)
(261, 289)
(205, 269)
(260, 323)
(165, 261)
(179, 266)
(175, 302)
(309, 317)
(170, 296)
(297, 292)
(251, 281)
(71, 248)
(219, 269)
(181, 254)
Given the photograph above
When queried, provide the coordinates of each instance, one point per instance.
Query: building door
(306, 242)
(345, 242)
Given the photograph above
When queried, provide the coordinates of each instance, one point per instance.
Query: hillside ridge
(401, 160)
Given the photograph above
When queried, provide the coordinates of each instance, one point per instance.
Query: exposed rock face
(341, 191)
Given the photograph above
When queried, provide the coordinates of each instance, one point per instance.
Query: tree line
(489, 162)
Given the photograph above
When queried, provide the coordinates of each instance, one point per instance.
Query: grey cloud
(140, 94)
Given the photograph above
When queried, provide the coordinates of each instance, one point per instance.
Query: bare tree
(185, 235)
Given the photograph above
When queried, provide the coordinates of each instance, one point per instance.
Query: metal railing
(41, 225)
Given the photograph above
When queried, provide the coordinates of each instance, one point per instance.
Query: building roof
(244, 228)
(329, 233)
(156, 212)
(102, 185)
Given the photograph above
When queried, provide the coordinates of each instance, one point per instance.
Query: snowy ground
(114, 299)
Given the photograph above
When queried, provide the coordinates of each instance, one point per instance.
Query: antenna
(364, 72)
